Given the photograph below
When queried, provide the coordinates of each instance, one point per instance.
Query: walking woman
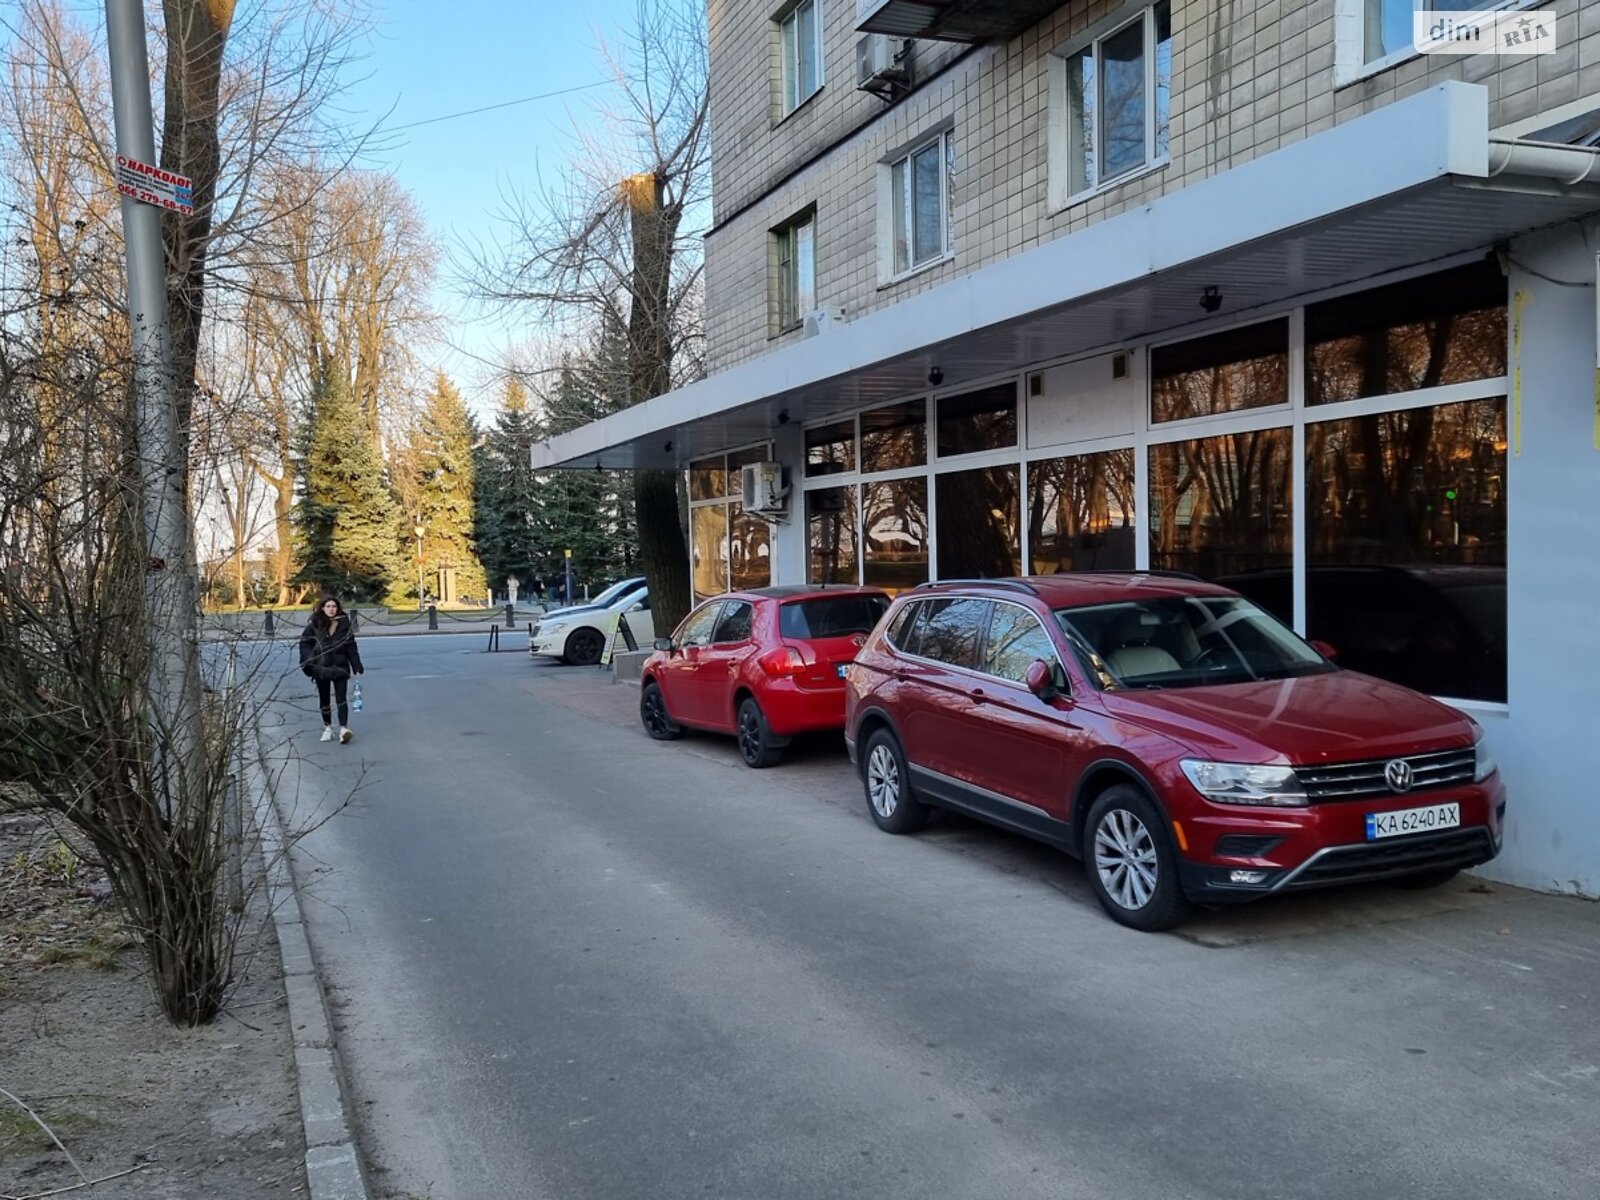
(328, 655)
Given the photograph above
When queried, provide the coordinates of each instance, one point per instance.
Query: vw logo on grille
(1397, 773)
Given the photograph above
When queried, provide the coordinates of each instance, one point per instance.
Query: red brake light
(785, 660)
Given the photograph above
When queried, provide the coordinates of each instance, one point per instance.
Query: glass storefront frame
(1295, 414)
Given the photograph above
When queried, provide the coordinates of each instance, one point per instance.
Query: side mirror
(1323, 648)
(664, 644)
(1041, 680)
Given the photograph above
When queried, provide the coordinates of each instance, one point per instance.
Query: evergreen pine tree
(509, 495)
(345, 517)
(447, 494)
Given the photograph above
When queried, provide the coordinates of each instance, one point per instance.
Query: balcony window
(919, 204)
(800, 35)
(797, 271)
(1115, 94)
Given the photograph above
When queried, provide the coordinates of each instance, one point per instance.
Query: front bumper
(1325, 845)
(551, 644)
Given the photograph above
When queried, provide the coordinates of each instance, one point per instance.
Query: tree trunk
(663, 549)
(197, 30)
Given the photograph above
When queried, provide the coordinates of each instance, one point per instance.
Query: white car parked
(579, 635)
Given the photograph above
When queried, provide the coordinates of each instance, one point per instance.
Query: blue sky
(427, 60)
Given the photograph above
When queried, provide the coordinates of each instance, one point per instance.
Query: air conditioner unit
(762, 489)
(818, 321)
(883, 65)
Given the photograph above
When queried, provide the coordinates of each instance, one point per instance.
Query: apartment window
(1379, 33)
(919, 204)
(797, 271)
(1117, 97)
(800, 31)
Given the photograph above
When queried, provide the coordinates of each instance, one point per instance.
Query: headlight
(1240, 783)
(547, 629)
(1483, 765)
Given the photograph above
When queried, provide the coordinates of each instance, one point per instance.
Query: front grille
(1365, 780)
(1403, 856)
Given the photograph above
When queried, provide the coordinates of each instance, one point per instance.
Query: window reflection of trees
(895, 523)
(1440, 329)
(1122, 123)
(1081, 513)
(710, 534)
(1226, 372)
(1421, 485)
(974, 421)
(895, 437)
(979, 532)
(831, 449)
(1220, 505)
(750, 561)
(831, 535)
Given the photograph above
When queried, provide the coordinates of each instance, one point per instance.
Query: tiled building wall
(1249, 76)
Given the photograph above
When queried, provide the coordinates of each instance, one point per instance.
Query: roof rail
(1014, 585)
(1160, 572)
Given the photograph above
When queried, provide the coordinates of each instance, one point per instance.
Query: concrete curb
(333, 1165)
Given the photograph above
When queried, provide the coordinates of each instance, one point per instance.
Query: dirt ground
(174, 1114)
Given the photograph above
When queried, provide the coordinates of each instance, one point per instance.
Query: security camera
(935, 376)
(1211, 299)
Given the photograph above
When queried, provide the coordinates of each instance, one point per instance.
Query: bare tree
(614, 242)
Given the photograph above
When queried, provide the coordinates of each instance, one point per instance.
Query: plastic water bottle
(355, 696)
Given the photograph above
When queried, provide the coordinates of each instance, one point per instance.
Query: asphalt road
(567, 962)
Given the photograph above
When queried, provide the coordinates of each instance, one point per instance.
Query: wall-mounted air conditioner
(883, 65)
(762, 489)
(819, 320)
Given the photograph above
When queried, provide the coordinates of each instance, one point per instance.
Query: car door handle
(978, 696)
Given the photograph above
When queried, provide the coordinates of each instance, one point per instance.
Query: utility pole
(172, 610)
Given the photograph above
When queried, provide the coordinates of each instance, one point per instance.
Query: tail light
(783, 661)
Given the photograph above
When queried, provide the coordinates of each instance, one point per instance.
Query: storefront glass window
(895, 437)
(831, 449)
(1447, 328)
(979, 528)
(895, 521)
(831, 535)
(1231, 371)
(750, 554)
(710, 535)
(1406, 546)
(708, 479)
(1221, 505)
(1081, 513)
(981, 420)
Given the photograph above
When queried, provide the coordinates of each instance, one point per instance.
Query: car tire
(583, 648)
(757, 745)
(1423, 880)
(658, 723)
(893, 805)
(1131, 861)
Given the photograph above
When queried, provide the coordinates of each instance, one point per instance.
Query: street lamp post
(419, 529)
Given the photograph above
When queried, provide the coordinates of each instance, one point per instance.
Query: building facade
(1250, 290)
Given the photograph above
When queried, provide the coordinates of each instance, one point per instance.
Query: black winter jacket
(330, 653)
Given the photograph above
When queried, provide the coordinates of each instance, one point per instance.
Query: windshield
(833, 616)
(612, 592)
(1185, 641)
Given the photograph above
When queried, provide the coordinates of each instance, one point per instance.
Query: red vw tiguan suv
(1184, 743)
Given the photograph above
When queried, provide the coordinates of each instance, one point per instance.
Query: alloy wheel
(883, 781)
(749, 734)
(655, 713)
(1125, 858)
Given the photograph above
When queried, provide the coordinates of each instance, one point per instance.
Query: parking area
(817, 770)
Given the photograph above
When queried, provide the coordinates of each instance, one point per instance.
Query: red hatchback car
(764, 665)
(1182, 741)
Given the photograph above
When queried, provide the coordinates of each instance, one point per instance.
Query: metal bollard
(494, 639)
(511, 616)
(355, 620)
(433, 616)
(267, 627)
